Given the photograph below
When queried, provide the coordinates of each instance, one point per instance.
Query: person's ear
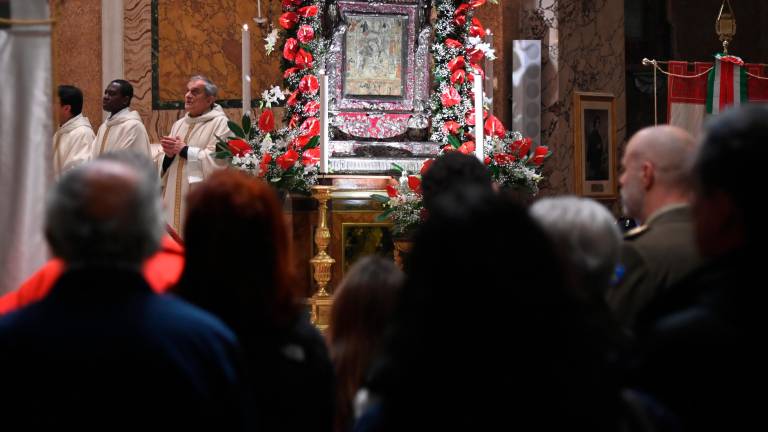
(67, 109)
(648, 174)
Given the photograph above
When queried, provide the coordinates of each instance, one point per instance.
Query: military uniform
(654, 256)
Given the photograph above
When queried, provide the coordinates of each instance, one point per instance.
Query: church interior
(359, 215)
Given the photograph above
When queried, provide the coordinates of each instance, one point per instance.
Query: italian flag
(726, 84)
(701, 89)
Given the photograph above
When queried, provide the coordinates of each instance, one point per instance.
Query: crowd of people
(506, 316)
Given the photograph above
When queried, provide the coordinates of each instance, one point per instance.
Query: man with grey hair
(186, 157)
(587, 235)
(656, 192)
(102, 351)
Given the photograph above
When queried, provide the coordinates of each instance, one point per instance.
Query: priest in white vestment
(186, 157)
(72, 142)
(124, 129)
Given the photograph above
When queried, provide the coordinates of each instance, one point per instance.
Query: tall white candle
(246, 71)
(323, 123)
(259, 3)
(479, 138)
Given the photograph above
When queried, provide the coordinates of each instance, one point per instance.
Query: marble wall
(78, 52)
(583, 50)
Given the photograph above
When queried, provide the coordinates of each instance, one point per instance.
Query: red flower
(539, 154)
(264, 165)
(290, 71)
(476, 29)
(476, 3)
(461, 10)
(494, 126)
(310, 127)
(312, 107)
(478, 70)
(453, 43)
(292, 98)
(457, 63)
(267, 121)
(487, 160)
(308, 11)
(451, 127)
(467, 147)
(460, 20)
(290, 48)
(309, 84)
(414, 183)
(299, 142)
(291, 3)
(288, 159)
(294, 121)
(391, 191)
(458, 76)
(448, 148)
(450, 97)
(520, 147)
(310, 156)
(469, 118)
(305, 33)
(303, 59)
(504, 158)
(475, 55)
(239, 147)
(288, 20)
(425, 166)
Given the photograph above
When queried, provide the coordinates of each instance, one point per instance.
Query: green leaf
(314, 142)
(398, 167)
(247, 126)
(236, 129)
(384, 215)
(222, 154)
(380, 198)
(452, 140)
(276, 179)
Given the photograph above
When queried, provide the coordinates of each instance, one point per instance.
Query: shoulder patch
(636, 232)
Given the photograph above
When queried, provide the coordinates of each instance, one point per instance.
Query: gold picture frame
(594, 136)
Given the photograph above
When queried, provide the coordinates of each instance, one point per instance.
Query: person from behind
(703, 358)
(450, 171)
(363, 305)
(123, 129)
(656, 191)
(102, 351)
(238, 267)
(487, 331)
(72, 142)
(187, 149)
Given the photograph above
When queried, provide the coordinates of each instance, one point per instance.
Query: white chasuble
(123, 130)
(199, 135)
(72, 144)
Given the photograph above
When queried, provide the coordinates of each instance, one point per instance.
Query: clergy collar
(71, 121)
(117, 114)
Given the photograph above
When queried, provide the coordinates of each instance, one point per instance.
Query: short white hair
(210, 88)
(586, 233)
(78, 235)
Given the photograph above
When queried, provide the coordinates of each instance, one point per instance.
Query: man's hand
(172, 145)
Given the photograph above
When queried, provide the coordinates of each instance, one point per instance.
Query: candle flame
(245, 27)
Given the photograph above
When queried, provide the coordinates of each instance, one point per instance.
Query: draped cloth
(123, 130)
(26, 128)
(199, 134)
(72, 144)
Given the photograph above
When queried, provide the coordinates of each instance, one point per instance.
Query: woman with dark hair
(487, 333)
(237, 267)
(362, 308)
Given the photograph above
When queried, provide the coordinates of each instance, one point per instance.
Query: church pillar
(111, 43)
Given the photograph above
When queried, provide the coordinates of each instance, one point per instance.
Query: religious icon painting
(594, 134)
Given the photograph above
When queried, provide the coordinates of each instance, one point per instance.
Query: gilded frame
(595, 147)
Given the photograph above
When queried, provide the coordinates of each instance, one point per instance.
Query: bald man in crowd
(656, 192)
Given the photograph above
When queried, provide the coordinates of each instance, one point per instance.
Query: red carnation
(487, 160)
(290, 48)
(504, 158)
(308, 11)
(450, 97)
(287, 160)
(288, 20)
(305, 33)
(309, 84)
(239, 147)
(520, 147)
(267, 121)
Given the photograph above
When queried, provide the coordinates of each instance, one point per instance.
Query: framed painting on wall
(594, 135)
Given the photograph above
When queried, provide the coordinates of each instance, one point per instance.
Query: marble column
(582, 50)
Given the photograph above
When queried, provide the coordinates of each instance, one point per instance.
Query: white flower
(474, 41)
(266, 143)
(271, 40)
(272, 96)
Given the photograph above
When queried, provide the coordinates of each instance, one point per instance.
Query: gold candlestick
(322, 263)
